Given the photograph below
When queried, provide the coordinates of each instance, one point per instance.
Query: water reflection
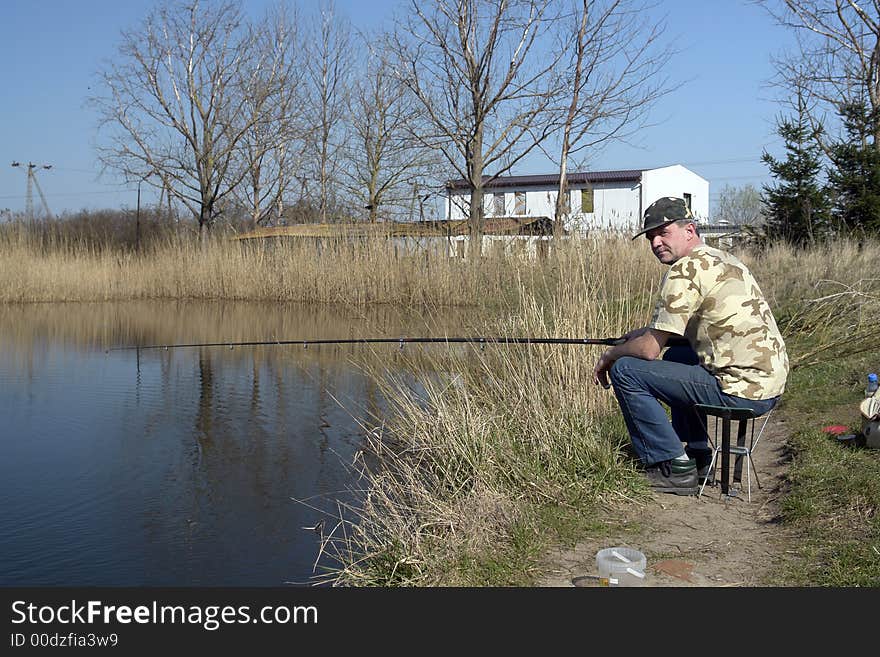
(154, 467)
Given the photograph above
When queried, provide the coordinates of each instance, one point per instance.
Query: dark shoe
(702, 457)
(674, 476)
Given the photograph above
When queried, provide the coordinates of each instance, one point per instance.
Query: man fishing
(735, 356)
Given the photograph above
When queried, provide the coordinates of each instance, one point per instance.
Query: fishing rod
(482, 341)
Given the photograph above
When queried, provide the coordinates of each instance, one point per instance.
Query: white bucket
(621, 566)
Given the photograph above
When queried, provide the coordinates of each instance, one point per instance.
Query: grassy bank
(477, 476)
(829, 304)
(832, 506)
(475, 466)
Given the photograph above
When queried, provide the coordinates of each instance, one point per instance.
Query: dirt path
(688, 541)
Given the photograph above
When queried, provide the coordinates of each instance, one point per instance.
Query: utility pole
(31, 183)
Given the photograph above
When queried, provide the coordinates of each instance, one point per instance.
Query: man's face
(672, 241)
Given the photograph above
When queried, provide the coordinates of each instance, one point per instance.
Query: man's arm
(645, 343)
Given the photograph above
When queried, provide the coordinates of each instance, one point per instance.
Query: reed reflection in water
(177, 468)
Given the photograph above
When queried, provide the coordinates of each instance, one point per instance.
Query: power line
(58, 194)
(730, 161)
(763, 175)
(78, 170)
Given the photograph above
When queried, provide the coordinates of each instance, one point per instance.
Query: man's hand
(600, 372)
(646, 343)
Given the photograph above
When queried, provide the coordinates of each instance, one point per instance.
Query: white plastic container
(621, 566)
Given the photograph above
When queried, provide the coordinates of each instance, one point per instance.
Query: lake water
(178, 467)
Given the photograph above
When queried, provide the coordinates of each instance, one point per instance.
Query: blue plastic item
(872, 385)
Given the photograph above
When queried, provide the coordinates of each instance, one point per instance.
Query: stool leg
(725, 455)
(749, 476)
(740, 442)
(755, 470)
(710, 471)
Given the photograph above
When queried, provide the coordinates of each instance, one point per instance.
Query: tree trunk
(203, 232)
(204, 223)
(475, 214)
(475, 224)
(562, 204)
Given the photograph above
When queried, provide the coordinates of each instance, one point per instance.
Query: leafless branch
(387, 161)
(615, 73)
(187, 87)
(328, 74)
(484, 73)
(837, 56)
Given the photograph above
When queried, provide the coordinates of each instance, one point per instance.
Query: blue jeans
(679, 381)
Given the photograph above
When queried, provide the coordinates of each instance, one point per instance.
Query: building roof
(543, 180)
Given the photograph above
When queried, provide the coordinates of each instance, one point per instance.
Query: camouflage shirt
(711, 298)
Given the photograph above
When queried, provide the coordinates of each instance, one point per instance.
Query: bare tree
(739, 206)
(274, 147)
(480, 72)
(386, 161)
(328, 72)
(837, 61)
(615, 72)
(172, 111)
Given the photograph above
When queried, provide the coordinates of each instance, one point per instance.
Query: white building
(598, 199)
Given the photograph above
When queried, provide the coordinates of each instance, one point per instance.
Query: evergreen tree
(798, 210)
(855, 178)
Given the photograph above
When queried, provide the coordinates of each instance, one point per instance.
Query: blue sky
(717, 123)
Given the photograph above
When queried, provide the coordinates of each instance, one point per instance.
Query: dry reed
(367, 271)
(470, 454)
(826, 299)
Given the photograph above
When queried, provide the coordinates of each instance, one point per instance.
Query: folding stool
(746, 419)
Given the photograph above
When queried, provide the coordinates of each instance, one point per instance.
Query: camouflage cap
(664, 211)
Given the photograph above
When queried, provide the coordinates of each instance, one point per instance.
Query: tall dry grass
(370, 271)
(826, 298)
(471, 455)
(461, 472)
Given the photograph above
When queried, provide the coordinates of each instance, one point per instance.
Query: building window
(498, 205)
(687, 202)
(519, 203)
(586, 201)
